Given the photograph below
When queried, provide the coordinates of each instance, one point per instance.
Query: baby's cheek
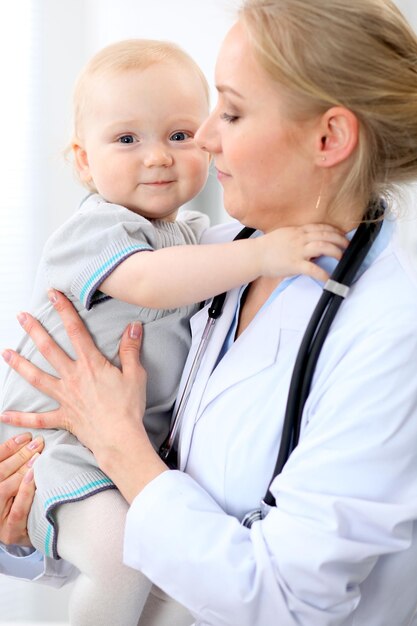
(198, 168)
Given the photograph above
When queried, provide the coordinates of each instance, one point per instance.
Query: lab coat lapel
(256, 349)
(253, 351)
(196, 400)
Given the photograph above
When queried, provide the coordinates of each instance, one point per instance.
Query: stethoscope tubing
(167, 451)
(334, 292)
(314, 337)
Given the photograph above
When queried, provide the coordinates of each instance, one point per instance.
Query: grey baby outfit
(76, 260)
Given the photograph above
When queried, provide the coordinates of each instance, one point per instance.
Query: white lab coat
(341, 547)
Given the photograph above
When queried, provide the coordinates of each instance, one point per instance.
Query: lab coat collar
(213, 380)
(379, 245)
(291, 311)
(196, 399)
(257, 357)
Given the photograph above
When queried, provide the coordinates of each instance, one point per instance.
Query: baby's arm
(180, 275)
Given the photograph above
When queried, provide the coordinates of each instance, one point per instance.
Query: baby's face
(138, 143)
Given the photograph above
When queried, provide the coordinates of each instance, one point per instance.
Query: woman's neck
(257, 294)
(344, 217)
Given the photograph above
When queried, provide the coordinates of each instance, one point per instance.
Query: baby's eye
(126, 139)
(179, 135)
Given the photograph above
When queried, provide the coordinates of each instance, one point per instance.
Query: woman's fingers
(14, 457)
(17, 495)
(77, 333)
(129, 349)
(11, 446)
(59, 360)
(20, 509)
(17, 487)
(42, 381)
(49, 419)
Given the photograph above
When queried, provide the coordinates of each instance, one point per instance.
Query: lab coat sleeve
(345, 498)
(24, 564)
(222, 572)
(208, 560)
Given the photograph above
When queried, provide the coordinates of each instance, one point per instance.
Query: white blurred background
(43, 45)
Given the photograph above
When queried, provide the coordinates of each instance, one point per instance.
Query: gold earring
(318, 201)
(320, 192)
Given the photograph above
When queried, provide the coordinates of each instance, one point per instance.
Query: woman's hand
(100, 404)
(17, 487)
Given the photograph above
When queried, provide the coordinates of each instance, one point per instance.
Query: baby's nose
(158, 156)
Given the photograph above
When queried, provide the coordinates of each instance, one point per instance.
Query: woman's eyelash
(229, 118)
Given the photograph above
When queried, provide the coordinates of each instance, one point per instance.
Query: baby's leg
(90, 536)
(161, 610)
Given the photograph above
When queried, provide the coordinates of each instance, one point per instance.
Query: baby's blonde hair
(360, 54)
(129, 54)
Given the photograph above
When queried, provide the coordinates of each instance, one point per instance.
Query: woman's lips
(222, 175)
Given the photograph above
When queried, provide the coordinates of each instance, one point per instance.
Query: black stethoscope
(335, 291)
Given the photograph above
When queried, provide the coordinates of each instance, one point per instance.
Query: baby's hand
(290, 250)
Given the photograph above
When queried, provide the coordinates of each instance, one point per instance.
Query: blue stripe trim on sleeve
(78, 492)
(70, 496)
(102, 269)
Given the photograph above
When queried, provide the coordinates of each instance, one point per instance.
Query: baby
(137, 107)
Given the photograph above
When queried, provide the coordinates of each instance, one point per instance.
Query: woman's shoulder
(386, 294)
(395, 270)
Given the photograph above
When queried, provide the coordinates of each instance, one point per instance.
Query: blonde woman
(316, 121)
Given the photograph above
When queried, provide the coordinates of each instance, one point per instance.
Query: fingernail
(22, 318)
(31, 461)
(28, 476)
(135, 330)
(22, 438)
(52, 295)
(6, 419)
(34, 444)
(7, 355)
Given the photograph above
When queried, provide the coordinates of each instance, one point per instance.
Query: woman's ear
(81, 162)
(339, 133)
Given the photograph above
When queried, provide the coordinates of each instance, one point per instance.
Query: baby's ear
(339, 135)
(81, 162)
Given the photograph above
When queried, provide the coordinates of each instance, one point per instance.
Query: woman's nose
(206, 137)
(158, 156)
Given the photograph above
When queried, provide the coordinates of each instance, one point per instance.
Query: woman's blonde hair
(129, 54)
(360, 54)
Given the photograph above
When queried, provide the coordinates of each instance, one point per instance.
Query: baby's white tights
(107, 592)
(161, 610)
